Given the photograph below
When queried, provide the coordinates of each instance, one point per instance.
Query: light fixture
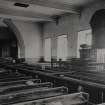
(21, 5)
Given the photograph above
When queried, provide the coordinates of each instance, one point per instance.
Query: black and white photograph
(52, 52)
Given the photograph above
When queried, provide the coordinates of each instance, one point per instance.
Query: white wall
(32, 36)
(68, 25)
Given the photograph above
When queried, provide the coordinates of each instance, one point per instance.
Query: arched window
(47, 49)
(84, 37)
(62, 49)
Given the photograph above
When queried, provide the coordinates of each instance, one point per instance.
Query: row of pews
(89, 76)
(17, 88)
(91, 82)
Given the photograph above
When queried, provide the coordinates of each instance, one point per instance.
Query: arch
(97, 23)
(21, 45)
(97, 18)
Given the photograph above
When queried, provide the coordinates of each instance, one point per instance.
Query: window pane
(47, 49)
(84, 37)
(62, 47)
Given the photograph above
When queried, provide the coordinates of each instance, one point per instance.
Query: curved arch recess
(21, 45)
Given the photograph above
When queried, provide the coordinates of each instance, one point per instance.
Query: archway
(8, 43)
(21, 45)
(97, 23)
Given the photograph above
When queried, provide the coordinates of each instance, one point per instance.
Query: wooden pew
(33, 68)
(4, 76)
(102, 104)
(69, 99)
(32, 94)
(29, 67)
(88, 76)
(11, 83)
(56, 70)
(19, 88)
(62, 73)
(15, 79)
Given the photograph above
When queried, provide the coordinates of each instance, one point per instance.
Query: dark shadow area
(97, 23)
(8, 43)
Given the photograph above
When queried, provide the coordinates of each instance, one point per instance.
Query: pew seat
(69, 99)
(18, 88)
(11, 83)
(15, 79)
(102, 104)
(39, 93)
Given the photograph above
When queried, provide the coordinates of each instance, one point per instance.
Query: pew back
(70, 99)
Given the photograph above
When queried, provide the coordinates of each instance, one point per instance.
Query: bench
(15, 79)
(69, 99)
(11, 83)
(32, 94)
(17, 88)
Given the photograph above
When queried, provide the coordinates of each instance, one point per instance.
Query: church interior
(52, 52)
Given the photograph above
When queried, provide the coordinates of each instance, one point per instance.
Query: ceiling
(40, 10)
(76, 2)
